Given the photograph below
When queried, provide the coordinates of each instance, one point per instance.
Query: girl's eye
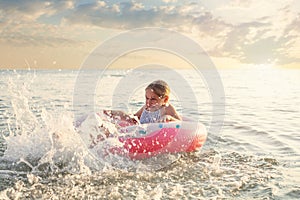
(151, 99)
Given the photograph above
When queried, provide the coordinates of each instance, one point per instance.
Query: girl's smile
(153, 100)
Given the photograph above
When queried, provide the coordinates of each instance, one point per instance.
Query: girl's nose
(148, 102)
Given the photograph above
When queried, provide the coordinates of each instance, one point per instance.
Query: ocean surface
(254, 155)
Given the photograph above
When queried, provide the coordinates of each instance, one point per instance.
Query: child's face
(153, 100)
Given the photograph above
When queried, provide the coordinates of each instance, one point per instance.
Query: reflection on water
(255, 156)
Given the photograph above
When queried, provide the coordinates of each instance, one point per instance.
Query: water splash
(40, 140)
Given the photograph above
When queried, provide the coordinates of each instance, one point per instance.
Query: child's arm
(120, 115)
(171, 114)
(139, 112)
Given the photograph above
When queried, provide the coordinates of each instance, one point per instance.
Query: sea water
(255, 155)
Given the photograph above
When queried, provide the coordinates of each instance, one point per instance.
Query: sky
(234, 33)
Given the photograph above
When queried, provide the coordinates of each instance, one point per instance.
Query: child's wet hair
(160, 88)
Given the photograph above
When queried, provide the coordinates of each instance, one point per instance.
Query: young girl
(156, 108)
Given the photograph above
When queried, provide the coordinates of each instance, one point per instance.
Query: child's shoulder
(169, 108)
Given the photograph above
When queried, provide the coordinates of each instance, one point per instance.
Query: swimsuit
(150, 117)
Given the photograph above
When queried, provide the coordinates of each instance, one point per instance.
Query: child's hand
(133, 120)
(166, 118)
(107, 112)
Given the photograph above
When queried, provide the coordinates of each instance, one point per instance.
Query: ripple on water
(204, 175)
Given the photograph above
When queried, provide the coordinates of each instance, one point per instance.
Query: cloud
(22, 10)
(21, 24)
(257, 43)
(33, 9)
(268, 36)
(250, 31)
(123, 15)
(249, 38)
(25, 40)
(241, 37)
(188, 18)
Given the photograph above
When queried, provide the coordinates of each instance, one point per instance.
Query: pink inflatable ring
(140, 141)
(147, 140)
